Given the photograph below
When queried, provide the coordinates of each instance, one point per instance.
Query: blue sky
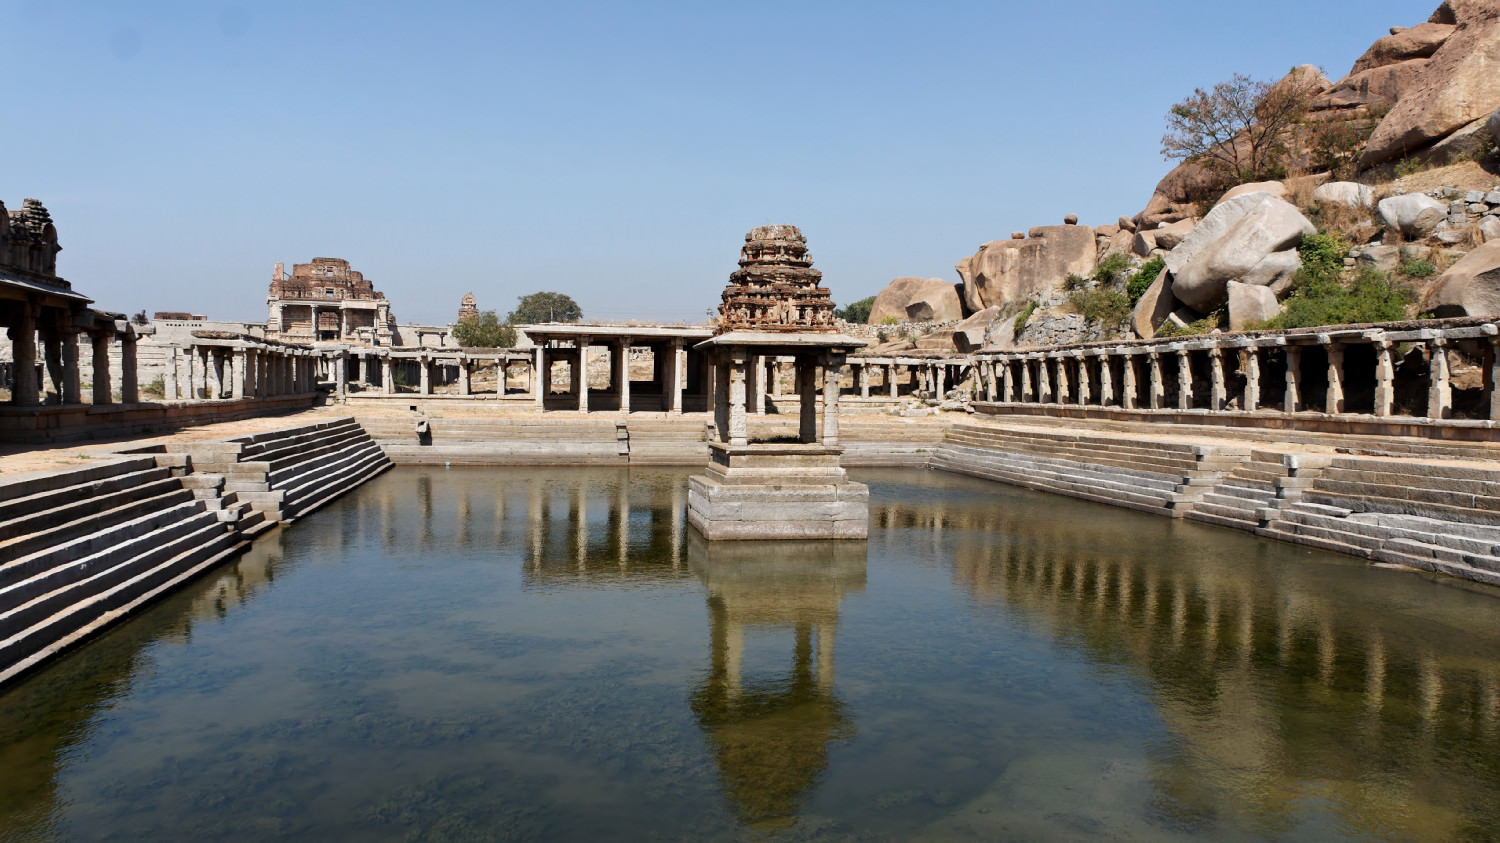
(614, 152)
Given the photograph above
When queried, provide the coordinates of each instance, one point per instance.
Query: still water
(517, 654)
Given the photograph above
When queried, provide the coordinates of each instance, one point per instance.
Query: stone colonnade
(237, 369)
(58, 335)
(1396, 369)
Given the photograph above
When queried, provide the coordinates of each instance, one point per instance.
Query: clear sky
(616, 152)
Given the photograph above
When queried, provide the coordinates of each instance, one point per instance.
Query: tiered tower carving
(776, 289)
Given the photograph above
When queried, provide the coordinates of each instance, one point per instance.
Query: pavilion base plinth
(771, 491)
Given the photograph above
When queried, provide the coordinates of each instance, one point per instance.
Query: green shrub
(1111, 270)
(1101, 306)
(857, 312)
(1024, 315)
(890, 320)
(1416, 268)
(1217, 319)
(1409, 167)
(1143, 278)
(1075, 282)
(1323, 300)
(1323, 254)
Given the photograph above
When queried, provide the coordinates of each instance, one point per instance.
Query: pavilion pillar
(941, 389)
(807, 395)
(340, 363)
(237, 374)
(102, 393)
(619, 370)
(1084, 388)
(25, 392)
(1158, 391)
(213, 378)
(364, 367)
(424, 374)
(193, 366)
(1218, 392)
(1106, 381)
(755, 380)
(130, 390)
(1250, 365)
(581, 374)
(862, 374)
(1385, 379)
(52, 357)
(169, 376)
(539, 376)
(1333, 398)
(1044, 391)
(1184, 380)
(739, 435)
(1439, 390)
(72, 386)
(832, 363)
(890, 379)
(1025, 379)
(1292, 401)
(1492, 377)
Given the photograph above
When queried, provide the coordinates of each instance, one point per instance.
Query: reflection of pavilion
(771, 734)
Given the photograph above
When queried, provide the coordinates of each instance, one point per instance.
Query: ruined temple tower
(468, 307)
(765, 487)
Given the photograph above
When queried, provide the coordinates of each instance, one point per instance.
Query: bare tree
(1239, 129)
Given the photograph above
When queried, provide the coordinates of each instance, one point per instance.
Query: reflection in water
(771, 734)
(445, 653)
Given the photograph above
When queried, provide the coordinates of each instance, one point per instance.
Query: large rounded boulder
(1470, 287)
(917, 300)
(1005, 271)
(1230, 244)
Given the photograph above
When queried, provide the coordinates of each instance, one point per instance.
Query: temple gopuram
(326, 301)
(776, 288)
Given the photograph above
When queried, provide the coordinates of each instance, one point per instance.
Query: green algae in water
(497, 654)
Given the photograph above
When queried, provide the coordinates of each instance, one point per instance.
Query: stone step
(25, 497)
(33, 646)
(30, 485)
(167, 511)
(88, 521)
(57, 507)
(340, 480)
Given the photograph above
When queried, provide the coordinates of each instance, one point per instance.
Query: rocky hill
(1395, 164)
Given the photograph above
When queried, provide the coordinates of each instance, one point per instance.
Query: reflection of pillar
(622, 523)
(825, 657)
(581, 525)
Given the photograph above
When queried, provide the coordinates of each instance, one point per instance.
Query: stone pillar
(619, 368)
(807, 399)
(1025, 394)
(1012, 380)
(679, 375)
(1385, 379)
(1250, 365)
(1044, 391)
(387, 378)
(1106, 381)
(1184, 380)
(1158, 389)
(831, 365)
(72, 381)
(538, 376)
(1292, 401)
(340, 363)
(1333, 399)
(192, 373)
(102, 394)
(941, 385)
(1128, 387)
(1218, 396)
(862, 374)
(1439, 391)
(52, 359)
(773, 376)
(739, 362)
(581, 375)
(755, 384)
(130, 390)
(25, 392)
(213, 378)
(237, 374)
(1492, 375)
(1083, 380)
(890, 379)
(424, 374)
(169, 376)
(364, 368)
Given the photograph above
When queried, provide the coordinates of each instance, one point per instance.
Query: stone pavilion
(764, 487)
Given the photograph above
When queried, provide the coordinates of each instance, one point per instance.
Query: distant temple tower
(468, 307)
(765, 487)
(326, 301)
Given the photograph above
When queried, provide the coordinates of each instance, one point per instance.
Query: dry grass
(1465, 175)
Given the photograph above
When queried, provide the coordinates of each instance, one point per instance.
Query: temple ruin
(326, 301)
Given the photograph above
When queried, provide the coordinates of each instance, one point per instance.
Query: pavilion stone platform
(771, 488)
